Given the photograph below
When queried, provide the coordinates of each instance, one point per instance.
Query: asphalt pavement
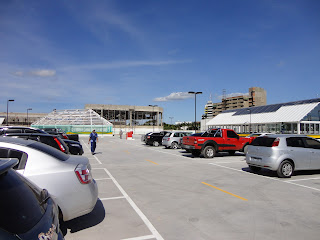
(150, 192)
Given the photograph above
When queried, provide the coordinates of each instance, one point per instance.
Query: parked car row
(282, 153)
(42, 184)
(52, 138)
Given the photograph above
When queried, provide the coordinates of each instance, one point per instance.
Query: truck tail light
(275, 142)
(195, 141)
(83, 174)
(60, 144)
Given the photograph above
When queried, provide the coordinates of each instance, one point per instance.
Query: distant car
(155, 139)
(18, 129)
(51, 140)
(67, 177)
(284, 153)
(61, 133)
(73, 147)
(173, 139)
(26, 211)
(65, 145)
(144, 137)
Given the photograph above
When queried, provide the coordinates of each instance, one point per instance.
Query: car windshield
(263, 141)
(19, 203)
(50, 151)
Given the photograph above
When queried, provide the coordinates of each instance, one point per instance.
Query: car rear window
(167, 134)
(49, 150)
(19, 203)
(263, 141)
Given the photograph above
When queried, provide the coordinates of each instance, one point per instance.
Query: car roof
(19, 141)
(7, 163)
(18, 127)
(31, 134)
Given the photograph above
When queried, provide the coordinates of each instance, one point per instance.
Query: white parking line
(140, 238)
(99, 179)
(275, 179)
(155, 233)
(135, 207)
(304, 179)
(112, 198)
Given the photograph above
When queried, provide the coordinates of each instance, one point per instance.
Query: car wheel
(156, 144)
(285, 169)
(209, 152)
(245, 149)
(254, 168)
(174, 145)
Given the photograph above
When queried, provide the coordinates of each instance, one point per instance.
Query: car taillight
(275, 142)
(83, 174)
(65, 136)
(148, 137)
(195, 141)
(60, 144)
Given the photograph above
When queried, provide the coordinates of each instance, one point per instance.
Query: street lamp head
(191, 92)
(198, 92)
(29, 109)
(11, 100)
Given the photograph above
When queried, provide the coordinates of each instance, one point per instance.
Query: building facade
(299, 117)
(139, 119)
(256, 97)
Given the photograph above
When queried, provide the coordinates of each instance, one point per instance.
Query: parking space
(156, 193)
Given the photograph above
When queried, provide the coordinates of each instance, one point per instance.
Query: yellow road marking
(152, 162)
(225, 191)
(127, 152)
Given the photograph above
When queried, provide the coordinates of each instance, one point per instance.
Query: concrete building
(139, 119)
(300, 117)
(256, 97)
(22, 119)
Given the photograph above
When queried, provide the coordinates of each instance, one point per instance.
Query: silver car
(173, 139)
(67, 177)
(284, 154)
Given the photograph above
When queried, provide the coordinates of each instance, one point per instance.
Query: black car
(26, 211)
(155, 139)
(51, 140)
(61, 133)
(16, 129)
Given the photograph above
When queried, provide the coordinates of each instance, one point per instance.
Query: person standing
(93, 138)
(121, 133)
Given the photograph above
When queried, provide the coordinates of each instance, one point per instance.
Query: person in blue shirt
(93, 138)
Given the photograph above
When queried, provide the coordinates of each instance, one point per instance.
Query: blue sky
(63, 54)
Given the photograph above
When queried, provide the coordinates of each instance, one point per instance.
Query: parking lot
(156, 193)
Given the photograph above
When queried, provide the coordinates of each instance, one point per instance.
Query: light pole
(28, 109)
(10, 100)
(171, 119)
(195, 107)
(249, 110)
(153, 115)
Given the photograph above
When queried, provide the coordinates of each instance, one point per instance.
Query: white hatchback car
(67, 177)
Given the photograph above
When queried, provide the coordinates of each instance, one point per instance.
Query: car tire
(209, 152)
(195, 153)
(156, 144)
(174, 145)
(245, 149)
(254, 168)
(285, 169)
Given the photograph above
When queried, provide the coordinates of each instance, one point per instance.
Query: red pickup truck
(213, 141)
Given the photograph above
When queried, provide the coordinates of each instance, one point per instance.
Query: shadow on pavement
(89, 220)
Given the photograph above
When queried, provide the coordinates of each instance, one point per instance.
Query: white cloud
(174, 96)
(124, 64)
(37, 73)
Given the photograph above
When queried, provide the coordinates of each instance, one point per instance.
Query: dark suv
(27, 212)
(61, 133)
(155, 139)
(65, 145)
